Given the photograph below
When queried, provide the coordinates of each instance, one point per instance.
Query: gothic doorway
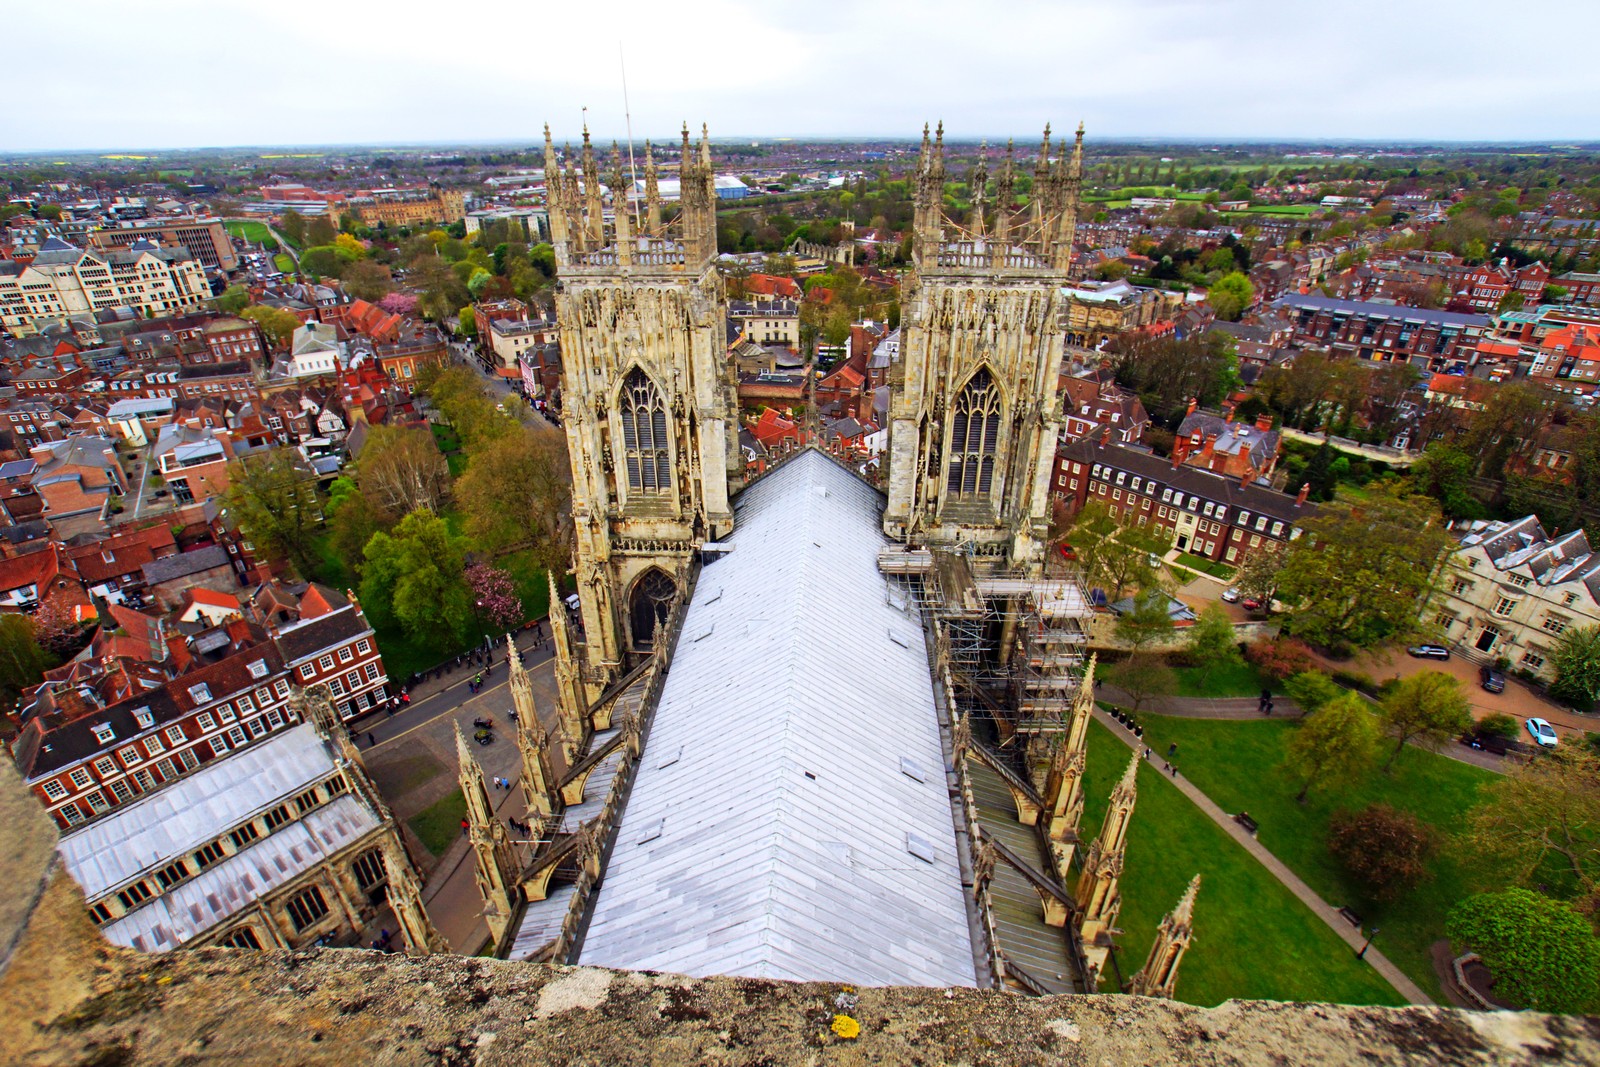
(651, 600)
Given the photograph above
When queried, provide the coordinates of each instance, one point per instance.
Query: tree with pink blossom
(495, 596)
(399, 304)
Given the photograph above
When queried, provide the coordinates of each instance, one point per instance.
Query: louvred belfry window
(974, 435)
(644, 434)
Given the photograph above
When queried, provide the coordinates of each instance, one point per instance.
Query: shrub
(1385, 850)
(1496, 726)
(1356, 680)
(1280, 658)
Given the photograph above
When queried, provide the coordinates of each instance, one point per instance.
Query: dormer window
(104, 734)
(145, 718)
(258, 669)
(200, 694)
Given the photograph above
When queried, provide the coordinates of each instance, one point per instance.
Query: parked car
(1067, 551)
(1251, 604)
(1543, 733)
(1154, 561)
(1491, 679)
(1429, 651)
(1230, 596)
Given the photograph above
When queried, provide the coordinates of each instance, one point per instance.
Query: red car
(1067, 551)
(1250, 604)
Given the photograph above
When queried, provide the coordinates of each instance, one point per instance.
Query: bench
(1244, 820)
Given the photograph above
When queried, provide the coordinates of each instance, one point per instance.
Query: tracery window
(974, 435)
(644, 434)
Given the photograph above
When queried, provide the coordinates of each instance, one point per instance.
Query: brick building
(1384, 332)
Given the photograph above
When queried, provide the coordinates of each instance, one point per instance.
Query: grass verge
(439, 824)
(1253, 938)
(1224, 680)
(1236, 763)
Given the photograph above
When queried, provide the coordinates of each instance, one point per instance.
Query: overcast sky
(109, 74)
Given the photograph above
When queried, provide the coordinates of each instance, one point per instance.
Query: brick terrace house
(1232, 449)
(1384, 332)
(1209, 515)
(1093, 402)
(325, 639)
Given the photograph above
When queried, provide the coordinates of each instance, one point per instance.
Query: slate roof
(184, 564)
(327, 631)
(790, 818)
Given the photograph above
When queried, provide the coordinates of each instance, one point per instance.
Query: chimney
(1305, 491)
(1264, 421)
(1244, 479)
(1180, 449)
(1105, 435)
(1194, 402)
(1210, 446)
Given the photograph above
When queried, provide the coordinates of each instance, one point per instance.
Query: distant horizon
(1024, 143)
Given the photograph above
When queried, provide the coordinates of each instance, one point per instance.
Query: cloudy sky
(170, 73)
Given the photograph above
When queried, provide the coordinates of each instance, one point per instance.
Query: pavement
(1351, 935)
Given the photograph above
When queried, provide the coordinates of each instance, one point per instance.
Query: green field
(439, 824)
(248, 230)
(1224, 680)
(1253, 938)
(1289, 210)
(1236, 763)
(284, 262)
(1209, 566)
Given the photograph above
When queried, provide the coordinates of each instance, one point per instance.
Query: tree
(1543, 954)
(401, 470)
(1231, 295)
(1146, 622)
(1427, 709)
(22, 660)
(233, 300)
(293, 226)
(414, 577)
(495, 597)
(350, 246)
(277, 324)
(366, 280)
(1212, 642)
(1143, 676)
(1280, 658)
(1311, 690)
(1385, 850)
(273, 497)
(1576, 659)
(1364, 569)
(1257, 576)
(319, 231)
(351, 523)
(1167, 373)
(517, 491)
(1113, 552)
(1540, 823)
(1333, 743)
(323, 261)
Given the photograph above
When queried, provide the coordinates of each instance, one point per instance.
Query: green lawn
(1252, 939)
(248, 229)
(1210, 566)
(1287, 210)
(284, 262)
(1236, 763)
(1224, 680)
(439, 824)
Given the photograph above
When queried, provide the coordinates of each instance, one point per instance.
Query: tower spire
(619, 207)
(571, 700)
(978, 185)
(1099, 899)
(1159, 975)
(554, 202)
(405, 900)
(594, 204)
(652, 193)
(497, 869)
(1004, 190)
(539, 782)
(1063, 793)
(1071, 186)
(572, 203)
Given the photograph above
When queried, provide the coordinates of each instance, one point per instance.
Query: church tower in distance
(648, 395)
(974, 415)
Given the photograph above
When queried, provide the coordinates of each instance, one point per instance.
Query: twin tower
(649, 393)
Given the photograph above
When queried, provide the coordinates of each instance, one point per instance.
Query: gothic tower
(1159, 975)
(1099, 899)
(648, 394)
(497, 867)
(973, 414)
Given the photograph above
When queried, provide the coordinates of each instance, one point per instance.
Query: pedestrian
(465, 826)
(371, 741)
(1269, 707)
(1174, 770)
(1172, 750)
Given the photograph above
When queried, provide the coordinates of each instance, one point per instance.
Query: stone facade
(648, 397)
(974, 414)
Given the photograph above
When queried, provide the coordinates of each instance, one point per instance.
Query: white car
(1230, 596)
(1543, 733)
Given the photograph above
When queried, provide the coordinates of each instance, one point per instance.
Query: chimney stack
(1244, 479)
(1305, 491)
(1194, 402)
(1264, 422)
(1105, 435)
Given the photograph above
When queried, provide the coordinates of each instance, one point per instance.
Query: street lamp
(1363, 953)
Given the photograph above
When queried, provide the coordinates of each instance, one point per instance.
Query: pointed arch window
(644, 434)
(974, 435)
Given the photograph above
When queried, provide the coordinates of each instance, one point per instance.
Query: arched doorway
(650, 601)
